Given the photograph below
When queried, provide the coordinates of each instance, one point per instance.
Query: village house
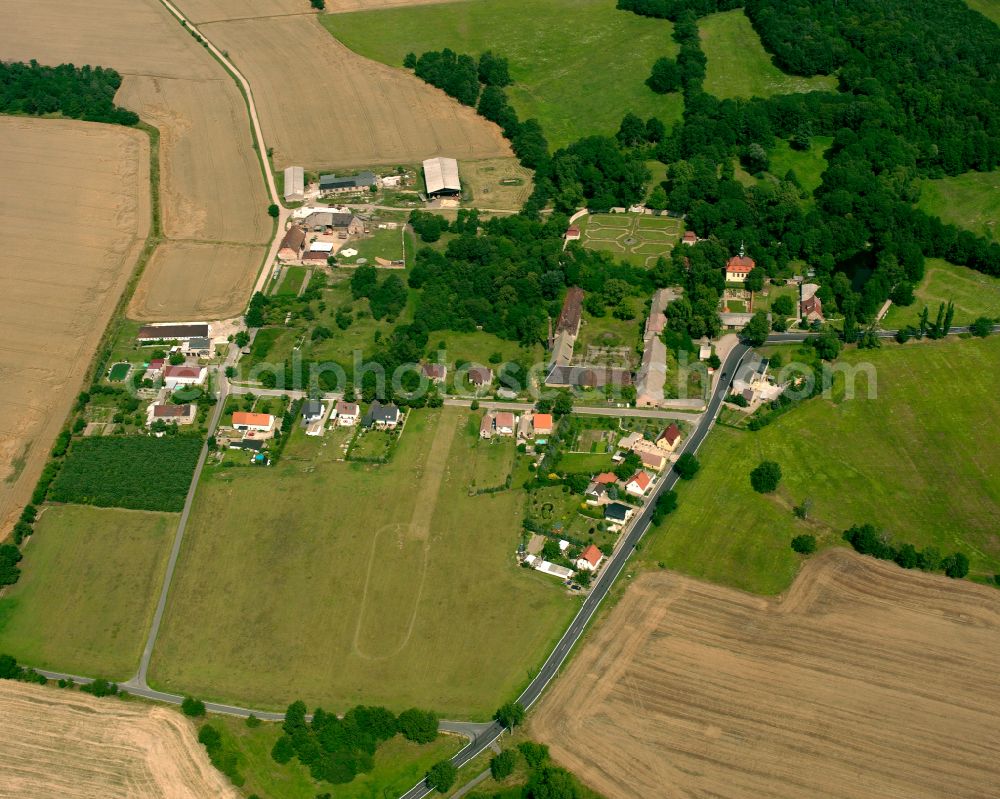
(638, 484)
(292, 244)
(572, 233)
(810, 305)
(480, 376)
(567, 328)
(541, 424)
(596, 493)
(347, 413)
(590, 559)
(381, 417)
(247, 422)
(175, 376)
(435, 372)
(486, 426)
(154, 369)
(588, 377)
(312, 410)
(172, 414)
(505, 423)
(618, 512)
(669, 438)
(690, 238)
(739, 267)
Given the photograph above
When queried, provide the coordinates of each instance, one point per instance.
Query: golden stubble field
(864, 681)
(324, 106)
(212, 189)
(74, 215)
(70, 745)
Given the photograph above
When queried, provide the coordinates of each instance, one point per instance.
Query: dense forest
(86, 93)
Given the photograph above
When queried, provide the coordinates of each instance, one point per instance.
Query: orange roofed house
(590, 559)
(253, 422)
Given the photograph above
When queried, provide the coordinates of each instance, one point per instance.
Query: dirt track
(349, 111)
(68, 745)
(74, 214)
(866, 681)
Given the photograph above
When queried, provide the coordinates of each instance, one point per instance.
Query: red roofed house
(257, 422)
(812, 308)
(541, 424)
(690, 238)
(573, 233)
(435, 372)
(480, 376)
(347, 413)
(638, 484)
(739, 266)
(174, 376)
(154, 369)
(607, 478)
(173, 414)
(590, 559)
(669, 438)
(505, 422)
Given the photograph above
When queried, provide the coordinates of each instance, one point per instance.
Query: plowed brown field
(324, 106)
(195, 280)
(68, 745)
(865, 681)
(74, 214)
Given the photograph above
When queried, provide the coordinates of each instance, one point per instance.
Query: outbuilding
(295, 184)
(441, 177)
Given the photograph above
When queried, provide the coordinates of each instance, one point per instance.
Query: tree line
(85, 92)
(869, 540)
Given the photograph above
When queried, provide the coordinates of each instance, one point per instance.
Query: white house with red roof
(572, 233)
(590, 559)
(690, 238)
(253, 422)
(174, 376)
(347, 413)
(739, 267)
(638, 484)
(505, 423)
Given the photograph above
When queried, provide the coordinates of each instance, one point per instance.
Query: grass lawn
(592, 462)
(399, 764)
(386, 244)
(988, 8)
(90, 581)
(808, 165)
(341, 583)
(578, 65)
(477, 347)
(493, 461)
(973, 293)
(762, 303)
(971, 201)
(635, 238)
(292, 282)
(738, 64)
(921, 462)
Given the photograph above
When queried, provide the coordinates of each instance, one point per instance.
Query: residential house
(480, 376)
(175, 376)
(381, 416)
(253, 422)
(172, 414)
(669, 438)
(154, 369)
(606, 478)
(618, 512)
(590, 559)
(435, 372)
(486, 426)
(505, 422)
(524, 429)
(292, 244)
(573, 233)
(751, 378)
(810, 305)
(629, 441)
(312, 410)
(347, 413)
(736, 320)
(651, 457)
(690, 238)
(638, 484)
(596, 493)
(541, 424)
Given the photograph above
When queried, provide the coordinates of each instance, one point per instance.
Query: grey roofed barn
(441, 177)
(362, 180)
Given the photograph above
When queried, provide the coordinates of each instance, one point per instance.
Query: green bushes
(418, 726)
(100, 687)
(192, 707)
(804, 544)
(138, 472)
(441, 776)
(10, 670)
(868, 540)
(10, 556)
(223, 757)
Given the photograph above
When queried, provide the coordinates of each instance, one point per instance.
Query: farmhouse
(148, 333)
(381, 417)
(572, 312)
(292, 244)
(315, 257)
(172, 414)
(174, 376)
(346, 413)
(638, 484)
(590, 559)
(669, 438)
(253, 422)
(330, 185)
(441, 177)
(588, 377)
(750, 381)
(295, 184)
(739, 267)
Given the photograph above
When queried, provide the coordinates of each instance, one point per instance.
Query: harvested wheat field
(199, 11)
(865, 681)
(211, 184)
(86, 186)
(350, 111)
(68, 745)
(342, 6)
(196, 280)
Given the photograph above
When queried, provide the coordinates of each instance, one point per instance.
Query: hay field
(74, 214)
(864, 681)
(70, 745)
(483, 180)
(196, 280)
(211, 184)
(344, 110)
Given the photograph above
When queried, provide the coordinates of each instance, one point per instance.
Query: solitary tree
(804, 544)
(756, 330)
(982, 327)
(502, 765)
(441, 776)
(687, 466)
(765, 478)
(510, 714)
(192, 706)
(273, 211)
(956, 566)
